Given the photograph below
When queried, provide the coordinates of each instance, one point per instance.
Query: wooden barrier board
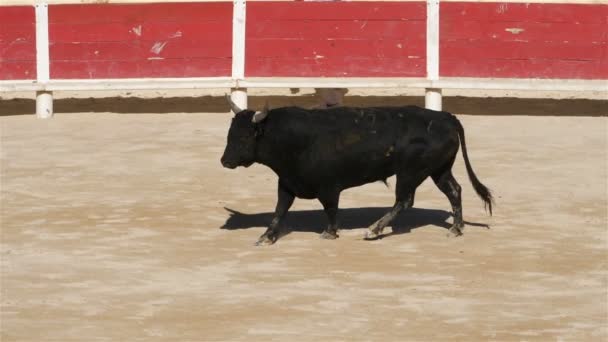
(140, 40)
(336, 39)
(17, 43)
(520, 40)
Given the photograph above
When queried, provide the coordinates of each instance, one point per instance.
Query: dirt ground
(125, 227)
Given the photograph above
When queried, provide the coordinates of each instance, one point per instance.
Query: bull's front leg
(284, 201)
(330, 205)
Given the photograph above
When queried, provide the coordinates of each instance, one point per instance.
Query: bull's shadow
(348, 218)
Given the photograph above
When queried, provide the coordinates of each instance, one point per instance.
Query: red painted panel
(521, 31)
(141, 40)
(18, 50)
(137, 13)
(402, 48)
(150, 68)
(325, 39)
(494, 49)
(17, 43)
(23, 32)
(297, 11)
(524, 40)
(531, 12)
(414, 29)
(11, 15)
(17, 70)
(576, 69)
(338, 67)
(140, 50)
(116, 32)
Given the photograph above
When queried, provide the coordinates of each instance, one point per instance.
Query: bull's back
(355, 146)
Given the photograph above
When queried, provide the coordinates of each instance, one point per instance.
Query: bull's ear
(261, 115)
(235, 109)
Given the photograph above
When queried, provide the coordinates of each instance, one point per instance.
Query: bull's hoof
(371, 235)
(264, 240)
(329, 235)
(455, 231)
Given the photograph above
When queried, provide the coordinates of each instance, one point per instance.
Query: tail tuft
(482, 191)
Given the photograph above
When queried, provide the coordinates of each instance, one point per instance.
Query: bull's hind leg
(284, 202)
(406, 187)
(449, 186)
(376, 229)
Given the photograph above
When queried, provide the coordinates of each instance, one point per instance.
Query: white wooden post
(44, 104)
(239, 95)
(433, 95)
(432, 99)
(44, 99)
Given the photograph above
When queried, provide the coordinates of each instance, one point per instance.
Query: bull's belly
(307, 189)
(300, 187)
(311, 185)
(359, 179)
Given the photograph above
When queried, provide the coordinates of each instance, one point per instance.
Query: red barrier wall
(17, 43)
(314, 39)
(140, 40)
(336, 39)
(523, 40)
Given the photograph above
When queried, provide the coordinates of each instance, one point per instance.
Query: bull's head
(242, 136)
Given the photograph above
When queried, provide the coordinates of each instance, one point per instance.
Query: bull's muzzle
(227, 164)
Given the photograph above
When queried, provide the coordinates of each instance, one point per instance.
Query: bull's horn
(259, 116)
(233, 106)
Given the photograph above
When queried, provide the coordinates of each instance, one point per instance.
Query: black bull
(318, 153)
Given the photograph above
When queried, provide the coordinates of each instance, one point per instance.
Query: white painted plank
(305, 82)
(18, 85)
(141, 84)
(521, 84)
(432, 39)
(238, 39)
(42, 42)
(332, 82)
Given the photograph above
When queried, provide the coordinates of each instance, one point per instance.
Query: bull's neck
(278, 149)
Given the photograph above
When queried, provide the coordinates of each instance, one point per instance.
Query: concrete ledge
(120, 84)
(308, 82)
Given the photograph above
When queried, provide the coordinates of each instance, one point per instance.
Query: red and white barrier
(137, 44)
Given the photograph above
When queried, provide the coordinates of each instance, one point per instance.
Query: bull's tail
(484, 193)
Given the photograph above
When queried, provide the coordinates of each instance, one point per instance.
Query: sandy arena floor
(125, 227)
